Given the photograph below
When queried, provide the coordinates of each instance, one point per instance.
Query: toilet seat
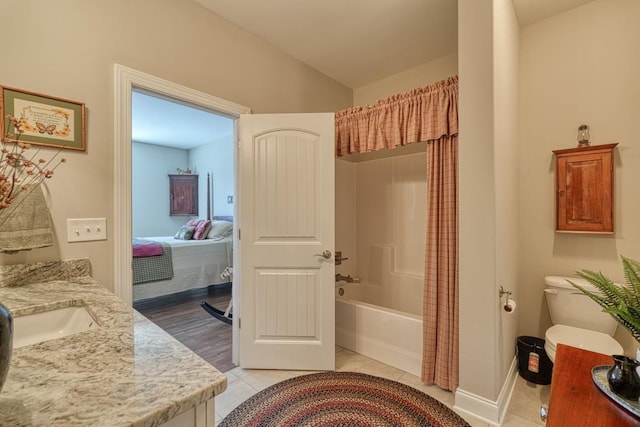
(582, 338)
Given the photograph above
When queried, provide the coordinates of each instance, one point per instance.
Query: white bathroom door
(286, 209)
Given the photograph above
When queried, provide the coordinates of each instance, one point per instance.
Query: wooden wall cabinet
(183, 195)
(584, 189)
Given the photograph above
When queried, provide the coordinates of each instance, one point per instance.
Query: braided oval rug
(341, 399)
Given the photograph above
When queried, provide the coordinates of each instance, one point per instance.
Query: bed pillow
(185, 233)
(220, 229)
(202, 229)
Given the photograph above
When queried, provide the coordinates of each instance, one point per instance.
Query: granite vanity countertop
(127, 371)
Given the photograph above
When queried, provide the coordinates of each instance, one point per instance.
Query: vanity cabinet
(584, 189)
(183, 195)
(146, 377)
(202, 415)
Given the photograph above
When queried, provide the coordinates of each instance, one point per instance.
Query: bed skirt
(194, 266)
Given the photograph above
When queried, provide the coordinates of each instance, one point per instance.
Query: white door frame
(125, 80)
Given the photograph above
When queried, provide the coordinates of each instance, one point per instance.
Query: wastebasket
(533, 363)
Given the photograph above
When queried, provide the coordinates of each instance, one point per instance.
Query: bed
(164, 265)
(182, 265)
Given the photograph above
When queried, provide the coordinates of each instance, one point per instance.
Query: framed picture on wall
(45, 120)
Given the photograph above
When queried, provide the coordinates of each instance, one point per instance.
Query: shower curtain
(427, 114)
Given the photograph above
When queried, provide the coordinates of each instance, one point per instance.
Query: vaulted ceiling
(355, 42)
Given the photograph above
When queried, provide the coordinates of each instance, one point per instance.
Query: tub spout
(347, 279)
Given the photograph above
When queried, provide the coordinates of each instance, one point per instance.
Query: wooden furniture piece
(584, 189)
(183, 195)
(575, 400)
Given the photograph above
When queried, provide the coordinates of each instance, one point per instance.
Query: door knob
(325, 254)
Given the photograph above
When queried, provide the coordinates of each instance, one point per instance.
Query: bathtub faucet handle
(340, 258)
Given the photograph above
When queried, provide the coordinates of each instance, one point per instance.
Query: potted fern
(622, 302)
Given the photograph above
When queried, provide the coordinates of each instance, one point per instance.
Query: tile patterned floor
(243, 383)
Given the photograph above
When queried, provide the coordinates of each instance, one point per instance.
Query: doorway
(173, 142)
(127, 80)
(303, 145)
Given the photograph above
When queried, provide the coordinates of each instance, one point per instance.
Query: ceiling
(530, 11)
(160, 121)
(355, 42)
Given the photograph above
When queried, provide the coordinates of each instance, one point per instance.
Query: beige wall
(68, 48)
(488, 49)
(422, 75)
(506, 62)
(477, 202)
(582, 66)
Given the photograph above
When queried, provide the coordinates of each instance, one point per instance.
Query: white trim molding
(485, 409)
(125, 80)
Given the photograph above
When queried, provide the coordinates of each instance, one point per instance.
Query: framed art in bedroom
(45, 120)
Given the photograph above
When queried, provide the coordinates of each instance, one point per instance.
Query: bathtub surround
(423, 114)
(127, 371)
(385, 334)
(382, 318)
(390, 197)
(386, 286)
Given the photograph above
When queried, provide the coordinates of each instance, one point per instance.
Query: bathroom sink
(50, 325)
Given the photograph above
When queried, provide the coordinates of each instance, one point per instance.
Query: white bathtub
(382, 322)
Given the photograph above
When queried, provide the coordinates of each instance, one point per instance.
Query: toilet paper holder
(502, 292)
(508, 305)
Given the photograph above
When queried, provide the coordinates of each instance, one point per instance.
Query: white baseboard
(492, 412)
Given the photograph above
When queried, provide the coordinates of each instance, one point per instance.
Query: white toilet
(577, 320)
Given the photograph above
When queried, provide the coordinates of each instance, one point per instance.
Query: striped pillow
(202, 229)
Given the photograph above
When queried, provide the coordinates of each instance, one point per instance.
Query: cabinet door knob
(544, 412)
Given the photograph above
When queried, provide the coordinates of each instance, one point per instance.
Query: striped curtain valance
(422, 114)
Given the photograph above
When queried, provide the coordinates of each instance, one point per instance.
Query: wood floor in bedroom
(181, 316)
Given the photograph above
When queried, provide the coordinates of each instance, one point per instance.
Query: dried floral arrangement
(20, 166)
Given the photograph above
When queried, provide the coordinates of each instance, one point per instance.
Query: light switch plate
(86, 229)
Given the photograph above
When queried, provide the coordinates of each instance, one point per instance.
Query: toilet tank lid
(561, 282)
